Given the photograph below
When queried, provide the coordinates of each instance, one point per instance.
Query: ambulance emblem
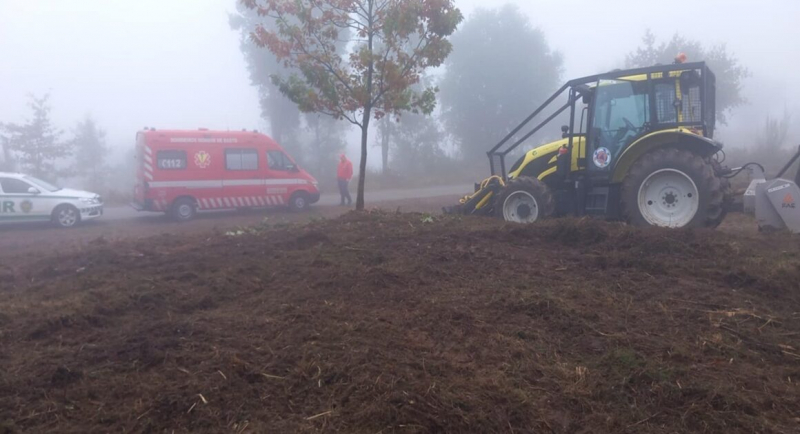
(202, 159)
(26, 206)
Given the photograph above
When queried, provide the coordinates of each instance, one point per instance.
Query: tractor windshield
(622, 108)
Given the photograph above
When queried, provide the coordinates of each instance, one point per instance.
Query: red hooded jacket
(345, 170)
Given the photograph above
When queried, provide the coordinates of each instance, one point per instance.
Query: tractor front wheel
(673, 188)
(524, 200)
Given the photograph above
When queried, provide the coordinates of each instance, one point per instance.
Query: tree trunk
(8, 163)
(385, 144)
(367, 113)
(362, 169)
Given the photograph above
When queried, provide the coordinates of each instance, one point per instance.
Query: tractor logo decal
(202, 159)
(26, 206)
(788, 201)
(602, 157)
(778, 188)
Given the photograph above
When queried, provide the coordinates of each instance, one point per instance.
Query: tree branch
(325, 64)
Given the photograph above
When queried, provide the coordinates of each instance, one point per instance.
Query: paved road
(21, 243)
(376, 197)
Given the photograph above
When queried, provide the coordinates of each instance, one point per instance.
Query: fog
(177, 63)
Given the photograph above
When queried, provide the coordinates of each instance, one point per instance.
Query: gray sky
(176, 63)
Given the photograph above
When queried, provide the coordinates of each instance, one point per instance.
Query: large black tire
(727, 196)
(183, 210)
(513, 203)
(299, 202)
(711, 189)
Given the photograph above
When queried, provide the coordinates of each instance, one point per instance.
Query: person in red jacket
(345, 174)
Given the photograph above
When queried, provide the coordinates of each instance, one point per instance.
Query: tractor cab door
(620, 114)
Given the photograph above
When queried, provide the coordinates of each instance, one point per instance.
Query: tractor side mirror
(564, 131)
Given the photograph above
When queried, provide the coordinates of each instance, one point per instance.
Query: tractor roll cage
(706, 122)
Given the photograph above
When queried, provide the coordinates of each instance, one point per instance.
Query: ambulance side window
(241, 159)
(14, 186)
(279, 161)
(171, 160)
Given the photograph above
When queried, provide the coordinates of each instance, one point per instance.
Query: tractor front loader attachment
(480, 202)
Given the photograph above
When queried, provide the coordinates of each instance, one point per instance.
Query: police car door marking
(8, 207)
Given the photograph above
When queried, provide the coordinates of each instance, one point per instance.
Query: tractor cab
(615, 120)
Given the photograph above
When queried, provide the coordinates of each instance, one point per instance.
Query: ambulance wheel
(299, 202)
(183, 210)
(66, 216)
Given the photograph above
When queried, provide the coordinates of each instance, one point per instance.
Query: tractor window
(622, 109)
(666, 112)
(670, 109)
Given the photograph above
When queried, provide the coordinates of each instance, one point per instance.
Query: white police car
(24, 198)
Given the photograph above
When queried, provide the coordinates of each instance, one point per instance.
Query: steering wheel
(628, 124)
(622, 132)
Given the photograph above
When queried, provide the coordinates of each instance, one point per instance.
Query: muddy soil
(406, 323)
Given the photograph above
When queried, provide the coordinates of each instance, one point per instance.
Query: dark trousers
(344, 191)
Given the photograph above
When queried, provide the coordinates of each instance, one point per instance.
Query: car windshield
(41, 184)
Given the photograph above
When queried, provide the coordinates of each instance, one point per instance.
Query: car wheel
(66, 216)
(299, 202)
(183, 210)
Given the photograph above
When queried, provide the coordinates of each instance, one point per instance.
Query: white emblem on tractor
(602, 157)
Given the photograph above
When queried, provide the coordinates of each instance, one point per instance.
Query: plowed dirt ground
(406, 323)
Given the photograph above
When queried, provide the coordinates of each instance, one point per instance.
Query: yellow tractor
(638, 147)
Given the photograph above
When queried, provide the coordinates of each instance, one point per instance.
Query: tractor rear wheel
(673, 188)
(524, 200)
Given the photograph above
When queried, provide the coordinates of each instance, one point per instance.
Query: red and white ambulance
(182, 172)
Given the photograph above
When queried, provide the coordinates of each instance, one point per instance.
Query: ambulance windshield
(41, 184)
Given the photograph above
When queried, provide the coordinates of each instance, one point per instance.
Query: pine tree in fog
(37, 144)
(91, 151)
